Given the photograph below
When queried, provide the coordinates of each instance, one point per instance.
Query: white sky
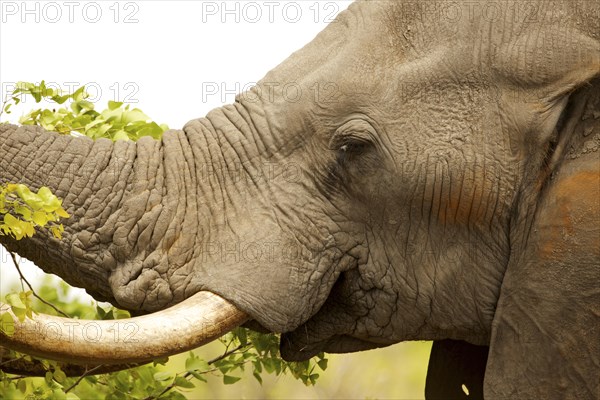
(176, 60)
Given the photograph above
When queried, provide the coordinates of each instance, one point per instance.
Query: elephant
(418, 171)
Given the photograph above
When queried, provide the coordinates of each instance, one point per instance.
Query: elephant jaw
(194, 322)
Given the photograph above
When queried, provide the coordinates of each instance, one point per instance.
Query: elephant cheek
(460, 206)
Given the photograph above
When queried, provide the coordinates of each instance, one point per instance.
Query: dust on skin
(569, 217)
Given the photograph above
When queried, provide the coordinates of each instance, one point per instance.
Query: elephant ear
(545, 341)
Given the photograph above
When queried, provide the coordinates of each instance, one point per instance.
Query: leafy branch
(30, 210)
(258, 350)
(116, 122)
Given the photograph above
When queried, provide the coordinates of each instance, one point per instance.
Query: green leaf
(195, 363)
(120, 314)
(57, 231)
(62, 213)
(175, 396)
(59, 375)
(14, 299)
(31, 199)
(230, 380)
(79, 94)
(20, 313)
(50, 201)
(100, 311)
(58, 394)
(242, 336)
(109, 315)
(40, 218)
(182, 382)
(25, 212)
(198, 376)
(7, 324)
(269, 365)
(113, 105)
(85, 105)
(322, 364)
(22, 385)
(91, 379)
(257, 366)
(120, 135)
(23, 87)
(151, 129)
(162, 376)
(37, 95)
(224, 366)
(61, 99)
(134, 115)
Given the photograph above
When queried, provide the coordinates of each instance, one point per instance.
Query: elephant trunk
(155, 222)
(140, 213)
(91, 177)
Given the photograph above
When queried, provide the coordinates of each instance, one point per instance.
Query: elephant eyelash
(354, 145)
(350, 142)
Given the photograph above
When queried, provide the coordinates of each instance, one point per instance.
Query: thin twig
(4, 105)
(78, 381)
(12, 360)
(227, 353)
(12, 378)
(187, 375)
(23, 279)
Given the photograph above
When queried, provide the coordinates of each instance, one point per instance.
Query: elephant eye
(355, 157)
(351, 147)
(352, 140)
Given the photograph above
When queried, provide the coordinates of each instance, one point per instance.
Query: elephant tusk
(194, 322)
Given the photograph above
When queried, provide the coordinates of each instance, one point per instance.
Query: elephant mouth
(194, 322)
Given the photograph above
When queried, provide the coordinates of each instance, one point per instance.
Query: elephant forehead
(365, 37)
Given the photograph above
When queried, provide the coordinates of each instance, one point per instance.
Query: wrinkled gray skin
(411, 190)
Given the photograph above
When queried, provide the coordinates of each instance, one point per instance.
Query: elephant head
(418, 171)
